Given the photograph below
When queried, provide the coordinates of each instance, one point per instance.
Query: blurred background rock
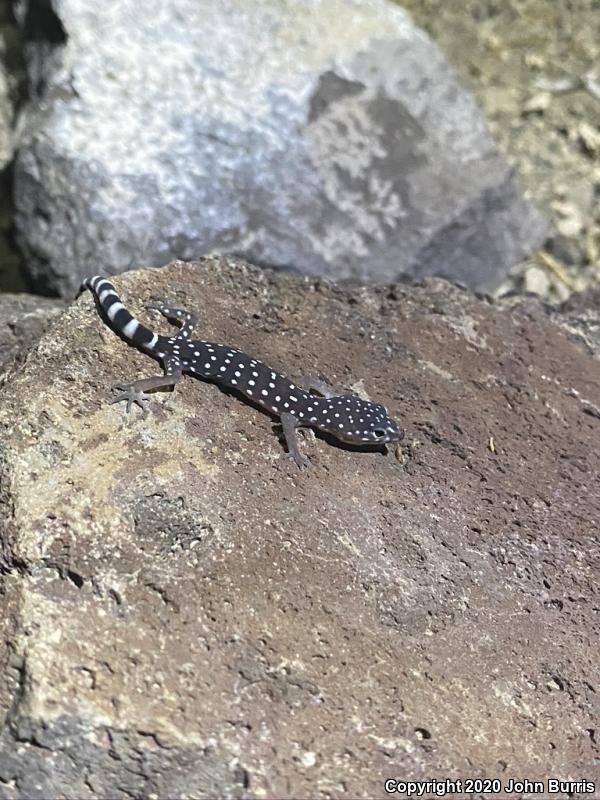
(12, 73)
(534, 67)
(531, 67)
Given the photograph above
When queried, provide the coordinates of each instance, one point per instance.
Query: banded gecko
(347, 417)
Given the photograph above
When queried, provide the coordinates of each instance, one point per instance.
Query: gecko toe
(131, 395)
(299, 460)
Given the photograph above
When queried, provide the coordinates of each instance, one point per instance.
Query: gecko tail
(118, 317)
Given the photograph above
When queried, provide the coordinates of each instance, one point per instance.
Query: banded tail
(120, 319)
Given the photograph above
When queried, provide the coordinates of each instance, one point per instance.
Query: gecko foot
(130, 393)
(299, 460)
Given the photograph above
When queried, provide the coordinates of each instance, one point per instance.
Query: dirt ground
(530, 64)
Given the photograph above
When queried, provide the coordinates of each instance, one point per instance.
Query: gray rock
(6, 115)
(184, 614)
(6, 153)
(118, 764)
(328, 137)
(9, 80)
(23, 319)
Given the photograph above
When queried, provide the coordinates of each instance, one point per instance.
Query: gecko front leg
(289, 424)
(135, 392)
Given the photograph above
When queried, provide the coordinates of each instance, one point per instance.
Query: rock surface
(23, 319)
(185, 614)
(328, 137)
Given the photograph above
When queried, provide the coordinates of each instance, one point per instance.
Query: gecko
(347, 417)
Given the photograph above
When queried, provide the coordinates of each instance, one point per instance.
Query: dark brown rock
(187, 614)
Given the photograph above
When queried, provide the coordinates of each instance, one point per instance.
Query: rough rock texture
(328, 137)
(185, 614)
(23, 318)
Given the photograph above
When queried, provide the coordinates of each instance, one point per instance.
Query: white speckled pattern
(347, 417)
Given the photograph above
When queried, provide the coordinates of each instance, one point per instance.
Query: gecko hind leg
(185, 319)
(324, 389)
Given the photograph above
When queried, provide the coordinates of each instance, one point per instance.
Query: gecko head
(356, 421)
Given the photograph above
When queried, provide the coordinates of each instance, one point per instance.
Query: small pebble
(537, 281)
(589, 136)
(538, 103)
